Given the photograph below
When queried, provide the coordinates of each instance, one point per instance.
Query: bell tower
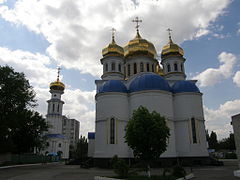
(55, 106)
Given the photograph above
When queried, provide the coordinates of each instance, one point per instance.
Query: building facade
(133, 77)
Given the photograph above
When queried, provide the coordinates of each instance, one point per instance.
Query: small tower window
(194, 134)
(168, 68)
(175, 67)
(153, 69)
(147, 67)
(135, 68)
(106, 67)
(129, 70)
(141, 67)
(113, 66)
(53, 107)
(112, 131)
(182, 67)
(119, 68)
(59, 145)
(58, 108)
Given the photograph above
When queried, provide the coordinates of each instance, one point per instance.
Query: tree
(20, 128)
(82, 149)
(147, 135)
(212, 141)
(228, 143)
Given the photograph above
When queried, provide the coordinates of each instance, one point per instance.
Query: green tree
(212, 141)
(20, 128)
(82, 149)
(147, 135)
(228, 143)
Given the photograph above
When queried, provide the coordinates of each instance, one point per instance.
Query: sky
(38, 36)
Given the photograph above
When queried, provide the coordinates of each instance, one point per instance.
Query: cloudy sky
(37, 36)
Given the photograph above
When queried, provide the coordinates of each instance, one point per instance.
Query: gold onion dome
(171, 49)
(138, 45)
(57, 85)
(113, 49)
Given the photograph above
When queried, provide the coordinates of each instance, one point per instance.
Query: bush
(120, 167)
(231, 155)
(179, 171)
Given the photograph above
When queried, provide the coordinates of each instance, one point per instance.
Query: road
(70, 172)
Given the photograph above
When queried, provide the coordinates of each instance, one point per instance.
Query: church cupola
(113, 61)
(139, 54)
(173, 60)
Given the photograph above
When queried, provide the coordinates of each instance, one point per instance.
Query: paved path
(69, 172)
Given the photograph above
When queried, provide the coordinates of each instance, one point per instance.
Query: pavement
(74, 172)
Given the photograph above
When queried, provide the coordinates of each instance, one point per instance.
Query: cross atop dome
(58, 72)
(137, 21)
(113, 35)
(169, 34)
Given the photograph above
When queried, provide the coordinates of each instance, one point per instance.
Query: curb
(26, 165)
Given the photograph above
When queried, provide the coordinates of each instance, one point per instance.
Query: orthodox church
(133, 77)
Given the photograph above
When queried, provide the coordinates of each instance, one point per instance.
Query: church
(133, 77)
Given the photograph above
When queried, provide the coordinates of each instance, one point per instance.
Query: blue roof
(149, 81)
(60, 136)
(184, 86)
(91, 135)
(113, 86)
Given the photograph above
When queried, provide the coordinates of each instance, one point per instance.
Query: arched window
(175, 67)
(58, 108)
(135, 68)
(53, 107)
(141, 67)
(147, 67)
(113, 66)
(112, 131)
(194, 134)
(59, 145)
(106, 67)
(119, 68)
(153, 69)
(129, 70)
(168, 68)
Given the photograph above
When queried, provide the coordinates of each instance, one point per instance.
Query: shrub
(120, 167)
(179, 171)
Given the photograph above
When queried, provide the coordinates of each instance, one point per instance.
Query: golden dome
(138, 45)
(171, 49)
(112, 49)
(57, 85)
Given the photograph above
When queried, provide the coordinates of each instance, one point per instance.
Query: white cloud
(34, 65)
(211, 76)
(77, 30)
(219, 120)
(236, 78)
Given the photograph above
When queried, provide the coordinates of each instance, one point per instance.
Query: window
(58, 108)
(194, 134)
(54, 95)
(129, 70)
(175, 67)
(53, 107)
(168, 68)
(64, 122)
(59, 145)
(47, 144)
(182, 67)
(147, 67)
(135, 68)
(153, 69)
(113, 66)
(119, 68)
(141, 67)
(106, 67)
(112, 131)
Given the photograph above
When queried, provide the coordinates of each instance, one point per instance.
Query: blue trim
(60, 136)
(185, 86)
(113, 86)
(149, 81)
(91, 135)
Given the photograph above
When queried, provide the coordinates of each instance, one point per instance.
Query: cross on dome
(137, 21)
(169, 34)
(113, 35)
(58, 72)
